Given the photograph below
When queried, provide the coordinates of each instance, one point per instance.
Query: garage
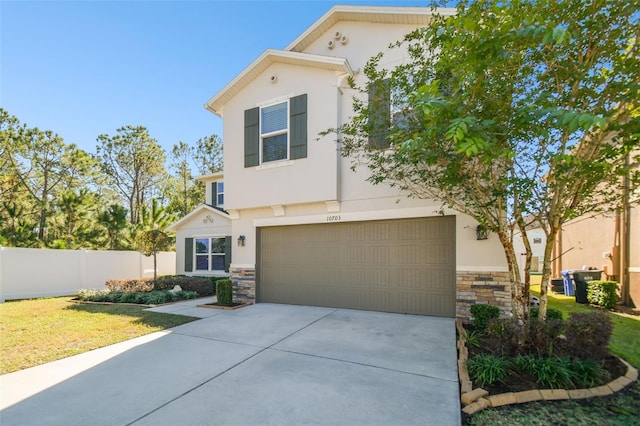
(400, 265)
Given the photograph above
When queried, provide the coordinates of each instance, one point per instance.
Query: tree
(135, 163)
(181, 192)
(114, 220)
(513, 112)
(208, 155)
(151, 241)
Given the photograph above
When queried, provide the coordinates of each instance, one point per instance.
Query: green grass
(37, 331)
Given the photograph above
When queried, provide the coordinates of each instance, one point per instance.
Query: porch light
(241, 239)
(481, 232)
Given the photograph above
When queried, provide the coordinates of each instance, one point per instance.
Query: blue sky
(83, 68)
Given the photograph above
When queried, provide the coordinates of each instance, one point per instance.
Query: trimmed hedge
(202, 285)
(603, 293)
(136, 285)
(224, 292)
(145, 298)
(482, 314)
(551, 313)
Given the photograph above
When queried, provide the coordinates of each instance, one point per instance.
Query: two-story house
(306, 229)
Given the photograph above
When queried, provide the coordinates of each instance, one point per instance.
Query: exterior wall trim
(349, 217)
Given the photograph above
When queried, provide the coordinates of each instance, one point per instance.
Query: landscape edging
(478, 399)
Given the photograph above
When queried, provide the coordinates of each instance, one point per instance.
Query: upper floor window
(276, 132)
(217, 194)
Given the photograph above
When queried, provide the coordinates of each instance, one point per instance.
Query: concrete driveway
(265, 364)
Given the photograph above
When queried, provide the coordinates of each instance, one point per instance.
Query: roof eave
(267, 58)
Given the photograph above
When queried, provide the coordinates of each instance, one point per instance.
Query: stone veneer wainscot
(482, 288)
(244, 284)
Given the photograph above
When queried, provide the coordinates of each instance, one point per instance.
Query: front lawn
(37, 331)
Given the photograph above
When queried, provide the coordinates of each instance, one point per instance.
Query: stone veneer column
(244, 284)
(482, 288)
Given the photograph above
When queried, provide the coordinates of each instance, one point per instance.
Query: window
(379, 114)
(276, 132)
(217, 194)
(210, 254)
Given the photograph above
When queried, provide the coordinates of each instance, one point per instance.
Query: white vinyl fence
(27, 273)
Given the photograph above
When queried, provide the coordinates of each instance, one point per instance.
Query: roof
(293, 54)
(212, 176)
(201, 208)
(269, 57)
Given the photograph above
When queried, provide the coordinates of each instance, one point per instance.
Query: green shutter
(298, 126)
(251, 137)
(227, 253)
(188, 254)
(379, 114)
(214, 194)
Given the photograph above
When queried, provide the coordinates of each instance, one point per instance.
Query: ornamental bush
(202, 285)
(136, 285)
(224, 292)
(551, 313)
(482, 314)
(587, 335)
(603, 293)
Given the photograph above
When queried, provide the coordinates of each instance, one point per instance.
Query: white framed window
(274, 132)
(209, 254)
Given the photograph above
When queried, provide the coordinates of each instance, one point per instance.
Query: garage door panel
(393, 266)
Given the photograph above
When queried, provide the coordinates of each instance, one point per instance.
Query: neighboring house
(203, 237)
(537, 242)
(308, 229)
(609, 242)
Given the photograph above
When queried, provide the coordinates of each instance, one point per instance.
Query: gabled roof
(293, 54)
(212, 176)
(269, 57)
(201, 208)
(375, 14)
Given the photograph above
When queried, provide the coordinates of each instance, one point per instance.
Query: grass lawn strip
(37, 331)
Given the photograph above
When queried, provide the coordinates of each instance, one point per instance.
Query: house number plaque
(334, 218)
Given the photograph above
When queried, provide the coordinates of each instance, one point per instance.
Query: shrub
(554, 372)
(551, 313)
(603, 293)
(224, 292)
(488, 368)
(136, 285)
(587, 335)
(588, 373)
(203, 286)
(146, 298)
(482, 314)
(541, 336)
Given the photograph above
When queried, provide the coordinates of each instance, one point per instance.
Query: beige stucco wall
(322, 188)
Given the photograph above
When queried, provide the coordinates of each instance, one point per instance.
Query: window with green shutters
(207, 254)
(276, 132)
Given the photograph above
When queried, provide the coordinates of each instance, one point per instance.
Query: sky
(85, 68)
